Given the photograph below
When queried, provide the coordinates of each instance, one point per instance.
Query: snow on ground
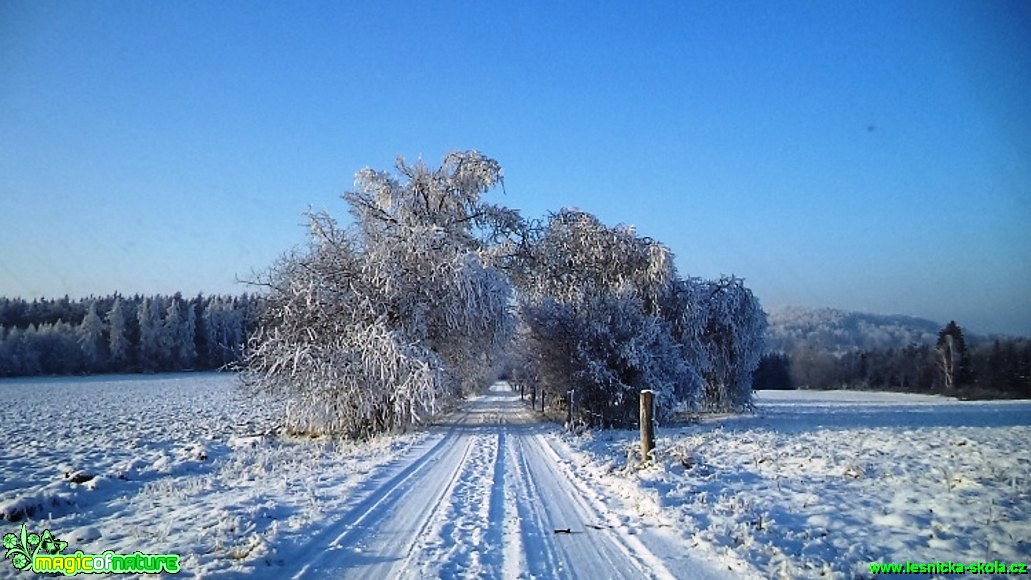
(180, 464)
(169, 464)
(816, 484)
(820, 484)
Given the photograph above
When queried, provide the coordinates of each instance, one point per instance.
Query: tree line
(992, 368)
(120, 334)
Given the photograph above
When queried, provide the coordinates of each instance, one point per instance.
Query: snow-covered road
(490, 495)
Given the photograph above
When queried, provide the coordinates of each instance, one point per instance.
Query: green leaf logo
(22, 548)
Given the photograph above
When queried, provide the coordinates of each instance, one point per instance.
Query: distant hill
(842, 330)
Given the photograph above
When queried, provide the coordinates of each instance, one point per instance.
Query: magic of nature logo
(43, 554)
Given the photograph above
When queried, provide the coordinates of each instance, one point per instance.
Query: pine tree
(119, 345)
(23, 355)
(179, 331)
(58, 347)
(198, 305)
(91, 340)
(214, 332)
(151, 335)
(187, 334)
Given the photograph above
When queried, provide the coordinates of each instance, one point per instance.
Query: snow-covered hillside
(842, 330)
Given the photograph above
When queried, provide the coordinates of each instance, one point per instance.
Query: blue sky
(873, 156)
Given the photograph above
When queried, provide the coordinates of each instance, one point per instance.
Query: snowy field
(175, 464)
(820, 484)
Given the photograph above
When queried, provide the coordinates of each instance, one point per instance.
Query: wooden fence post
(647, 425)
(569, 410)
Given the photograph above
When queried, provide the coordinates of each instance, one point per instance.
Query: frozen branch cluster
(376, 326)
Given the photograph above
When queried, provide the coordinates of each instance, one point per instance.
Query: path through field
(483, 497)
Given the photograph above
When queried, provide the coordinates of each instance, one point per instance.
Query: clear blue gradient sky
(873, 156)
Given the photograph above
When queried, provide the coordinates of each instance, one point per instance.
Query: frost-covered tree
(575, 257)
(732, 339)
(119, 345)
(152, 342)
(91, 340)
(214, 332)
(604, 312)
(595, 308)
(23, 352)
(224, 331)
(379, 325)
(187, 354)
(178, 334)
(58, 348)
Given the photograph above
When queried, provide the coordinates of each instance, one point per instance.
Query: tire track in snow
(557, 500)
(459, 542)
(344, 545)
(474, 536)
(434, 515)
(642, 542)
(515, 560)
(617, 549)
(533, 524)
(501, 515)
